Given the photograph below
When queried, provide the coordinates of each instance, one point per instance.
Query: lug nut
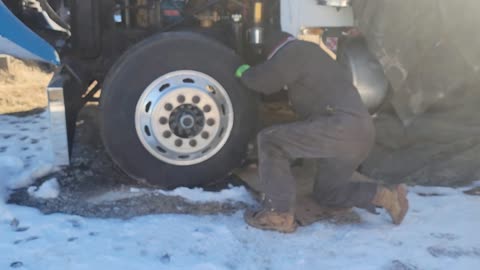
(193, 143)
(163, 120)
(196, 99)
(210, 122)
(181, 98)
(167, 134)
(178, 143)
(168, 107)
(207, 108)
(205, 135)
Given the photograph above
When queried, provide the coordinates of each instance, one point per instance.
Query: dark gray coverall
(335, 128)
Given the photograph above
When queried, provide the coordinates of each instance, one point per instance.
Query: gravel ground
(94, 187)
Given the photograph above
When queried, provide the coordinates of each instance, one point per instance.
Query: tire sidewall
(136, 70)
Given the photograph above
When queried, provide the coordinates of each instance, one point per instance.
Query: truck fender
(18, 40)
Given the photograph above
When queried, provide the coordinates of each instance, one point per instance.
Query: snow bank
(440, 232)
(50, 189)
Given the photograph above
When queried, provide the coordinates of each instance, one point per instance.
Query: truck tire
(173, 114)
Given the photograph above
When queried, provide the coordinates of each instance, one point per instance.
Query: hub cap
(184, 117)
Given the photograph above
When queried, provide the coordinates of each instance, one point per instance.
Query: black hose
(53, 14)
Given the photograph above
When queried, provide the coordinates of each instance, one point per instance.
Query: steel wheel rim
(184, 117)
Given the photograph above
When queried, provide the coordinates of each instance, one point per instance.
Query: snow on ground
(192, 195)
(49, 189)
(24, 148)
(198, 195)
(25, 153)
(440, 232)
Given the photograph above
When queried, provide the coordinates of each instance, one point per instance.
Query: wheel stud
(178, 143)
(167, 134)
(210, 122)
(207, 108)
(181, 98)
(196, 99)
(193, 143)
(163, 120)
(168, 107)
(205, 135)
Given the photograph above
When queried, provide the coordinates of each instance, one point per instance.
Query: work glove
(241, 70)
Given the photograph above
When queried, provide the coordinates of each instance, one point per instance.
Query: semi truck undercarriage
(172, 113)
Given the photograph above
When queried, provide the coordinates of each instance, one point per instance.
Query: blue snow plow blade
(18, 40)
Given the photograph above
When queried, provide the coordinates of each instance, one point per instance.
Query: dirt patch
(23, 87)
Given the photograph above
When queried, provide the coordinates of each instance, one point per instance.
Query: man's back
(316, 83)
(323, 84)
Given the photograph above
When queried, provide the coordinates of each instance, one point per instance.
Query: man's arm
(271, 76)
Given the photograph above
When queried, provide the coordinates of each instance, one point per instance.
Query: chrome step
(58, 123)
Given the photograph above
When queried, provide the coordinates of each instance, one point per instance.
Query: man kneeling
(334, 128)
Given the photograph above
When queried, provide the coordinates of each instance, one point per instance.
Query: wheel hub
(187, 121)
(184, 117)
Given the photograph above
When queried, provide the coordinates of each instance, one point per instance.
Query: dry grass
(23, 87)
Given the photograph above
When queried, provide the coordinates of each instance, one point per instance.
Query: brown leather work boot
(394, 200)
(268, 220)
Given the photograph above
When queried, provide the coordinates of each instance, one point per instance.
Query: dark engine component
(172, 10)
(159, 14)
(102, 30)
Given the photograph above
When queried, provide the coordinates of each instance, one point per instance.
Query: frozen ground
(440, 232)
(24, 153)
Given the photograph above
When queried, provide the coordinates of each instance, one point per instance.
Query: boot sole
(403, 201)
(250, 220)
